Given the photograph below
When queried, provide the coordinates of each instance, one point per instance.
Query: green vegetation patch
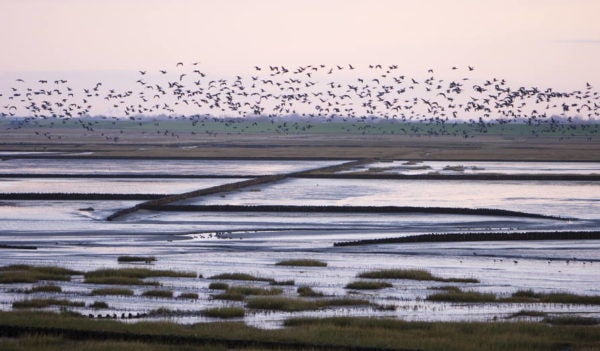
(302, 263)
(239, 293)
(528, 313)
(572, 320)
(412, 274)
(112, 291)
(282, 282)
(241, 276)
(307, 291)
(41, 303)
(188, 296)
(98, 305)
(289, 304)
(522, 296)
(218, 286)
(368, 285)
(224, 312)
(129, 259)
(158, 293)
(327, 333)
(33, 274)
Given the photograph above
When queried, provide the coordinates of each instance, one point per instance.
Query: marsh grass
(59, 343)
(521, 296)
(302, 263)
(41, 303)
(33, 274)
(282, 282)
(224, 312)
(333, 333)
(112, 291)
(531, 296)
(239, 293)
(241, 276)
(412, 274)
(289, 304)
(129, 259)
(45, 289)
(158, 293)
(218, 286)
(527, 313)
(307, 291)
(191, 296)
(368, 285)
(98, 305)
(572, 320)
(462, 296)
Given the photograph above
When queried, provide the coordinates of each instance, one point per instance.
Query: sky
(546, 42)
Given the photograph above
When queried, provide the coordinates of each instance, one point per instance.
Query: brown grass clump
(33, 274)
(41, 303)
(112, 291)
(412, 274)
(368, 285)
(302, 263)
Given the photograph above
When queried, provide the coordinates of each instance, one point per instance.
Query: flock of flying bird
(314, 93)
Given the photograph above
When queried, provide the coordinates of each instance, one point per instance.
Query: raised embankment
(460, 237)
(162, 202)
(349, 209)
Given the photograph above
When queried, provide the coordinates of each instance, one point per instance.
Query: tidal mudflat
(210, 265)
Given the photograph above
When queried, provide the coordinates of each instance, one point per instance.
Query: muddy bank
(519, 236)
(348, 209)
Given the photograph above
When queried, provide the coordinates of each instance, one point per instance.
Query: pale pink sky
(547, 42)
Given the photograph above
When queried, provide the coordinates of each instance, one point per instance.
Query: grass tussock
(239, 293)
(158, 293)
(412, 274)
(98, 305)
(218, 286)
(191, 296)
(241, 276)
(112, 291)
(462, 296)
(368, 285)
(224, 312)
(282, 282)
(41, 303)
(307, 291)
(289, 304)
(302, 263)
(133, 259)
(44, 289)
(33, 274)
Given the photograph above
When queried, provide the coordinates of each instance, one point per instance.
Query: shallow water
(108, 186)
(479, 167)
(75, 234)
(567, 199)
(164, 167)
